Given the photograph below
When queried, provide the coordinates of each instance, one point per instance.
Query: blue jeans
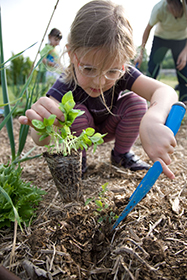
(158, 52)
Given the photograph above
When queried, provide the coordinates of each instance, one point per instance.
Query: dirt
(75, 241)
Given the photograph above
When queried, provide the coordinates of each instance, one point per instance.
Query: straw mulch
(66, 241)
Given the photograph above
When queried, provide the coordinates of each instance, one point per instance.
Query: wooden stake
(43, 37)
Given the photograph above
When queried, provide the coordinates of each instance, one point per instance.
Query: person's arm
(43, 108)
(48, 62)
(145, 37)
(157, 139)
(182, 58)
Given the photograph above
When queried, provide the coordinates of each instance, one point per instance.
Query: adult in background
(170, 19)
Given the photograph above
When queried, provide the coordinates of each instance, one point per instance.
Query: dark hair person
(170, 18)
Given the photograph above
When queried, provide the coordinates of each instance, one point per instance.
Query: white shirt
(167, 26)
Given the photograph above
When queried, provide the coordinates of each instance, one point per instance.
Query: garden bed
(66, 241)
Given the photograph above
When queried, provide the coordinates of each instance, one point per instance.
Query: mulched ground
(66, 240)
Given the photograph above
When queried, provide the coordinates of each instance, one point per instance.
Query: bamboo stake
(44, 36)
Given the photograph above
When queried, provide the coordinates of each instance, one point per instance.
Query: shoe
(84, 167)
(129, 160)
(176, 87)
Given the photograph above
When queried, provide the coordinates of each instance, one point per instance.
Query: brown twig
(12, 255)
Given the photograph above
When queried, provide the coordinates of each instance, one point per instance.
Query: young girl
(100, 47)
(50, 62)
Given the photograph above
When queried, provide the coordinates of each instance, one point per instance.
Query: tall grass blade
(7, 109)
(8, 198)
(25, 128)
(15, 56)
(21, 95)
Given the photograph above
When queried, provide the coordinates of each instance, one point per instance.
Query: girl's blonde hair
(101, 24)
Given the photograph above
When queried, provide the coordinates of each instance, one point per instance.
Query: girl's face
(91, 76)
(54, 41)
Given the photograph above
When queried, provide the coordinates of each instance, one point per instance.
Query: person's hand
(51, 63)
(182, 59)
(158, 142)
(43, 108)
(138, 61)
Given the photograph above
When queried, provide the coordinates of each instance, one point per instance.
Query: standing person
(170, 19)
(100, 47)
(50, 64)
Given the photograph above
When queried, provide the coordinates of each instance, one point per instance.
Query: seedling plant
(63, 154)
(102, 206)
(62, 140)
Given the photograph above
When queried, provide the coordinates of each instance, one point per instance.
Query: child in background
(50, 63)
(100, 47)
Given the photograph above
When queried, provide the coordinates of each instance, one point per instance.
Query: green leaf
(49, 130)
(38, 124)
(99, 203)
(88, 201)
(94, 148)
(65, 131)
(61, 107)
(85, 138)
(106, 205)
(82, 145)
(100, 220)
(72, 116)
(43, 137)
(97, 138)
(90, 131)
(13, 207)
(67, 97)
(50, 120)
(104, 187)
(68, 106)
(17, 198)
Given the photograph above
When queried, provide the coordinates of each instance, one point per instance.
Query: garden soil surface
(75, 241)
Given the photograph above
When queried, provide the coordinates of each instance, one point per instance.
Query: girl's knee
(83, 121)
(132, 104)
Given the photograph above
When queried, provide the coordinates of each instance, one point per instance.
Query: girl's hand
(43, 108)
(158, 142)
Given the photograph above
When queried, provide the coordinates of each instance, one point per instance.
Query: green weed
(102, 205)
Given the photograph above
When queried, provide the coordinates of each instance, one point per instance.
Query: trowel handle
(175, 116)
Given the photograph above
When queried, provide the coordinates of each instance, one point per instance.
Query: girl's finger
(46, 106)
(166, 170)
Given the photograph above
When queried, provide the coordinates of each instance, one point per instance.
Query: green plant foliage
(102, 205)
(62, 139)
(18, 200)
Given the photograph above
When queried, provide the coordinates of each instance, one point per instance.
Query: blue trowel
(173, 121)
